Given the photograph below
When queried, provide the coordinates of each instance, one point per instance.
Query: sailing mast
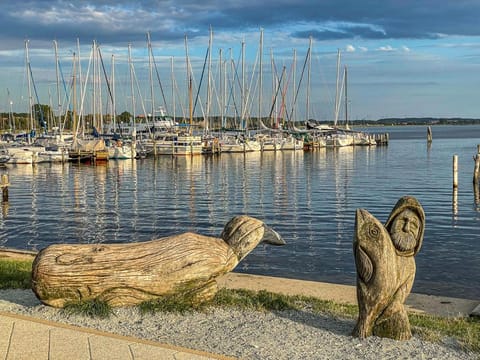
(134, 126)
(29, 82)
(57, 73)
(74, 101)
(114, 110)
(209, 82)
(242, 108)
(150, 66)
(260, 90)
(221, 83)
(189, 80)
(190, 104)
(337, 90)
(346, 96)
(173, 87)
(308, 78)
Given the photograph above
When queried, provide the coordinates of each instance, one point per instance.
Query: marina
(309, 197)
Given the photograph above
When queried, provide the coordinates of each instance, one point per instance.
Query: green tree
(124, 117)
(41, 113)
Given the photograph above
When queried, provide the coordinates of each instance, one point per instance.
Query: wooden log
(128, 274)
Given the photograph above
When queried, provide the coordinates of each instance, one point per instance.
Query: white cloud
(405, 48)
(363, 48)
(386, 48)
(350, 48)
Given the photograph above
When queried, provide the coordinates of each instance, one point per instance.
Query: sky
(404, 58)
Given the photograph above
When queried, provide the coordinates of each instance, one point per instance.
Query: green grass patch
(171, 304)
(91, 308)
(433, 328)
(15, 274)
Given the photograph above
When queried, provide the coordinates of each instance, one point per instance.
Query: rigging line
(249, 98)
(284, 95)
(63, 81)
(275, 97)
(42, 120)
(105, 74)
(201, 80)
(160, 84)
(231, 83)
(300, 81)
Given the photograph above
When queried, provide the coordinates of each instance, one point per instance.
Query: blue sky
(404, 58)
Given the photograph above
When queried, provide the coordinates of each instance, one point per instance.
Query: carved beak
(271, 237)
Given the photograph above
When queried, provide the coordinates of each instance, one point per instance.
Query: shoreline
(293, 334)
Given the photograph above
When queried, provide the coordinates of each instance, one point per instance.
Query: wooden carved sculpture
(128, 274)
(384, 257)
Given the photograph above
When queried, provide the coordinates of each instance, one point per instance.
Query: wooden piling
(476, 170)
(429, 134)
(4, 185)
(455, 171)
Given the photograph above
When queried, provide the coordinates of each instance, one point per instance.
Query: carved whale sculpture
(128, 274)
(384, 258)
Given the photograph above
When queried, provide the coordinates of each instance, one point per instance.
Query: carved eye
(373, 231)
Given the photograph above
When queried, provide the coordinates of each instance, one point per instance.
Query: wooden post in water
(429, 134)
(455, 171)
(476, 170)
(4, 185)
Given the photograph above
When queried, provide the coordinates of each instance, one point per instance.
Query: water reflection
(309, 197)
(455, 205)
(476, 197)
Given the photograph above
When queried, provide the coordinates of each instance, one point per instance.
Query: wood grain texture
(127, 274)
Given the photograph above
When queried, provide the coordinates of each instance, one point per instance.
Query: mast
(221, 82)
(74, 100)
(57, 72)
(150, 66)
(80, 78)
(29, 82)
(273, 120)
(173, 87)
(244, 125)
(337, 91)
(308, 78)
(346, 96)
(294, 112)
(209, 82)
(189, 77)
(114, 110)
(94, 83)
(134, 129)
(261, 78)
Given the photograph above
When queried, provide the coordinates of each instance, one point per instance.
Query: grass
(15, 274)
(92, 308)
(466, 331)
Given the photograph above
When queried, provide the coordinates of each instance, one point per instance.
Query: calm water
(309, 198)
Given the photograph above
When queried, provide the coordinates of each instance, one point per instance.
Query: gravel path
(245, 334)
